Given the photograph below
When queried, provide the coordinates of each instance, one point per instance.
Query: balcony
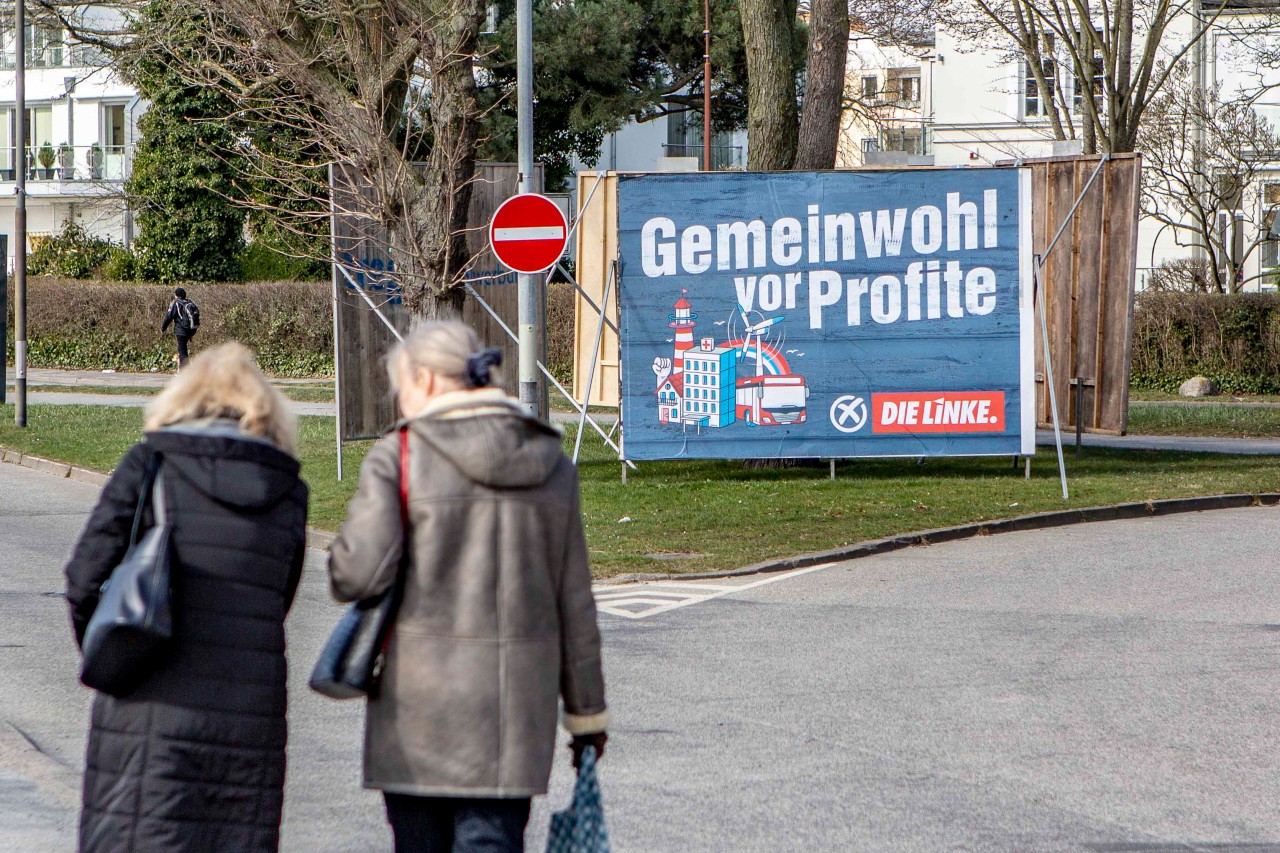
(68, 164)
(723, 157)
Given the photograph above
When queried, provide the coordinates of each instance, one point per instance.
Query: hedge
(97, 326)
(1232, 339)
(92, 326)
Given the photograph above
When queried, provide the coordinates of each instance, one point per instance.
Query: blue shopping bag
(580, 828)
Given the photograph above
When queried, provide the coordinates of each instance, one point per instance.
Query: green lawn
(1207, 419)
(731, 515)
(300, 393)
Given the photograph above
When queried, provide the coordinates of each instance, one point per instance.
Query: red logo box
(941, 411)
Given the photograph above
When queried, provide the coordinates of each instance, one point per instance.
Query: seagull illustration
(799, 353)
(669, 339)
(719, 322)
(793, 352)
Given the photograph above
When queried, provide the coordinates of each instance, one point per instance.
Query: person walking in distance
(192, 760)
(184, 315)
(497, 623)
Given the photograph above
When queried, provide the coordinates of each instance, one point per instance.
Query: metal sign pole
(527, 319)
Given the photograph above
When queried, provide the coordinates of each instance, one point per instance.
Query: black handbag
(350, 665)
(131, 627)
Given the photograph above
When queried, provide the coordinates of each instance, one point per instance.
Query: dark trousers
(457, 824)
(183, 340)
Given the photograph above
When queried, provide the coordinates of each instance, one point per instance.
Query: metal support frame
(591, 375)
(580, 409)
(1040, 296)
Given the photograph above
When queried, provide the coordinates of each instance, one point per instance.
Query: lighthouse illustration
(683, 322)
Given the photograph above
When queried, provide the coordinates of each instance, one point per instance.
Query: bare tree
(1193, 181)
(372, 87)
(1119, 52)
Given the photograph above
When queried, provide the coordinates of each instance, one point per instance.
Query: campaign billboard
(829, 314)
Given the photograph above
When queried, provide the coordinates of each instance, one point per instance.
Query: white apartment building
(81, 131)
(669, 143)
(947, 102)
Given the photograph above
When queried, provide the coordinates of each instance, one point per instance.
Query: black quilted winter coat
(194, 760)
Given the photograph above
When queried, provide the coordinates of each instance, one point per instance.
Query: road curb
(50, 466)
(316, 538)
(1038, 521)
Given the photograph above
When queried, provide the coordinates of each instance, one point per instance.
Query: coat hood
(235, 470)
(486, 436)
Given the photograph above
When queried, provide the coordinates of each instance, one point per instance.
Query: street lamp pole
(20, 221)
(706, 85)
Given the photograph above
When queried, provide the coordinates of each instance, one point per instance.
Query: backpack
(189, 313)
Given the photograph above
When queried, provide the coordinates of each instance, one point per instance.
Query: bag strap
(152, 487)
(404, 480)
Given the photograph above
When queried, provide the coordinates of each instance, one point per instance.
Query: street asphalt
(1105, 687)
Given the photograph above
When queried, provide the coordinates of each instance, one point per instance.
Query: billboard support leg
(1026, 463)
(833, 470)
(595, 358)
(542, 367)
(1048, 377)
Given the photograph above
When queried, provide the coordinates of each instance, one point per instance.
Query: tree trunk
(772, 124)
(824, 84)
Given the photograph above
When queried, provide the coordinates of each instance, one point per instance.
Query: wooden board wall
(597, 249)
(1088, 285)
(363, 340)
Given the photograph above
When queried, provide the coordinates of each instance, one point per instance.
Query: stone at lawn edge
(1198, 386)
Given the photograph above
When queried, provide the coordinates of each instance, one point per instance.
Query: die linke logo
(943, 411)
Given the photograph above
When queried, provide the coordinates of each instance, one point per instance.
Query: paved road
(1108, 687)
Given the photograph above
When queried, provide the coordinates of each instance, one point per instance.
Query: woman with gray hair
(496, 624)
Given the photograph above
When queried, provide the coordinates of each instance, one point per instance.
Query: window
(870, 87)
(907, 139)
(1269, 251)
(870, 145)
(45, 47)
(1033, 105)
(903, 86)
(1078, 87)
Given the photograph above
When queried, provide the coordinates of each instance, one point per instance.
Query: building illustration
(710, 380)
(701, 385)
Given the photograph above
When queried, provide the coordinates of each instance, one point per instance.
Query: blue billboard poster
(828, 315)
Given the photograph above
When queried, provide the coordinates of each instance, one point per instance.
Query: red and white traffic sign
(528, 233)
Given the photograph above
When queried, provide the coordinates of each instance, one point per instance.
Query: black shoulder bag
(350, 665)
(133, 622)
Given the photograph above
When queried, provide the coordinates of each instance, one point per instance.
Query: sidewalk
(1181, 443)
(37, 376)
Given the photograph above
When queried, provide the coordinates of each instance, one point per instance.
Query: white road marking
(642, 600)
(533, 232)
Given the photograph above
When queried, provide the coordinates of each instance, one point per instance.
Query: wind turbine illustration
(755, 331)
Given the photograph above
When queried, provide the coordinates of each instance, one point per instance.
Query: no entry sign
(528, 233)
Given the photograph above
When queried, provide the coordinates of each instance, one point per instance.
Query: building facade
(81, 122)
(950, 102)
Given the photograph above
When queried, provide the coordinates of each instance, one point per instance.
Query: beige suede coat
(498, 623)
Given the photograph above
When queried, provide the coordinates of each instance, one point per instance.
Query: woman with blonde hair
(496, 624)
(193, 758)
